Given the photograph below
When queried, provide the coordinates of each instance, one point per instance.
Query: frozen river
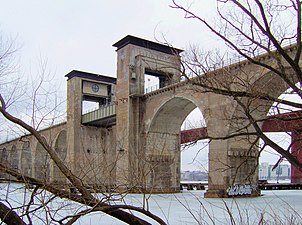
(190, 207)
(275, 207)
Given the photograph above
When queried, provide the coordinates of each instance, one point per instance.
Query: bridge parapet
(104, 115)
(217, 68)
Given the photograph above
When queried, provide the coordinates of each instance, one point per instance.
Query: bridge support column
(218, 179)
(217, 126)
(136, 58)
(233, 171)
(74, 113)
(233, 163)
(243, 173)
(296, 175)
(162, 168)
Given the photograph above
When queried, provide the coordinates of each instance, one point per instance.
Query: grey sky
(79, 34)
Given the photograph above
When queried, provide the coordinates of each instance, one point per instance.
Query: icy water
(190, 207)
(275, 207)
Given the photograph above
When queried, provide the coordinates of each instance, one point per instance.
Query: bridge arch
(267, 83)
(163, 143)
(270, 84)
(14, 158)
(4, 159)
(4, 155)
(41, 165)
(61, 149)
(61, 145)
(26, 159)
(171, 114)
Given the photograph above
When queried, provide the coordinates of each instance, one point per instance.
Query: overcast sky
(78, 35)
(74, 34)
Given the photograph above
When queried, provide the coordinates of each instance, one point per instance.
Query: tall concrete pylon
(137, 58)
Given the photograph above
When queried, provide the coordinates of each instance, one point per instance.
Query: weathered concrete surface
(95, 163)
(141, 153)
(27, 155)
(136, 164)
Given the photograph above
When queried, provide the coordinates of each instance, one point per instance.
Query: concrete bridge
(131, 142)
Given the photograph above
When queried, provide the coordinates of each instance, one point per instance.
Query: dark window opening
(154, 80)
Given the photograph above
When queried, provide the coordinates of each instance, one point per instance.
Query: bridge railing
(100, 113)
(151, 88)
(235, 58)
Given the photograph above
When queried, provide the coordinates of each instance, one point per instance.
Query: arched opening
(163, 143)
(270, 168)
(26, 159)
(4, 160)
(41, 163)
(61, 149)
(60, 145)
(14, 158)
(285, 131)
(194, 154)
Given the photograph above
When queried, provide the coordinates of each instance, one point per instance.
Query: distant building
(266, 172)
(281, 172)
(263, 171)
(185, 175)
(194, 175)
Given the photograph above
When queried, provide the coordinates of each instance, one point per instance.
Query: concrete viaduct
(132, 141)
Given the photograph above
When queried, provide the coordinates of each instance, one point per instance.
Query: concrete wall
(95, 163)
(28, 156)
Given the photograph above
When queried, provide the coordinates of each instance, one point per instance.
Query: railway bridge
(132, 141)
